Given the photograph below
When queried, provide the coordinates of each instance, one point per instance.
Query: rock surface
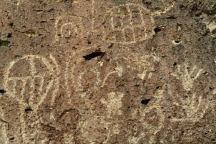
(107, 71)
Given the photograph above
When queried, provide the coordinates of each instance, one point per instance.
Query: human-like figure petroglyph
(194, 106)
(3, 128)
(68, 28)
(187, 75)
(31, 86)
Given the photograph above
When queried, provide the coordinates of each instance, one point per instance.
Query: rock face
(107, 72)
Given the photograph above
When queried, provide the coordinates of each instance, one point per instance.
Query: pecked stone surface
(107, 72)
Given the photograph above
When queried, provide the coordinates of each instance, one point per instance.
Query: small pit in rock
(2, 91)
(94, 55)
(28, 109)
(4, 43)
(145, 101)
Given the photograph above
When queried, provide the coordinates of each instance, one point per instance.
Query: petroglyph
(193, 105)
(187, 75)
(68, 28)
(144, 64)
(167, 4)
(113, 104)
(156, 107)
(31, 86)
(118, 70)
(33, 76)
(82, 77)
(127, 24)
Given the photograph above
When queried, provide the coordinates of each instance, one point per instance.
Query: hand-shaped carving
(187, 76)
(194, 107)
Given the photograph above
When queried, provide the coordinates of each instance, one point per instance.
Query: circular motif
(30, 78)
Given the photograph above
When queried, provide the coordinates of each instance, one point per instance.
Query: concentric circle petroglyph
(68, 29)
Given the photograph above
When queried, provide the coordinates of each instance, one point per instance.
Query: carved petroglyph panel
(108, 77)
(127, 23)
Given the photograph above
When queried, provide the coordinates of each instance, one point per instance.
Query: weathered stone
(107, 72)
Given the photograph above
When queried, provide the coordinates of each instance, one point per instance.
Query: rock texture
(107, 71)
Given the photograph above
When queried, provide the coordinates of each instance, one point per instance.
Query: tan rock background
(107, 72)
